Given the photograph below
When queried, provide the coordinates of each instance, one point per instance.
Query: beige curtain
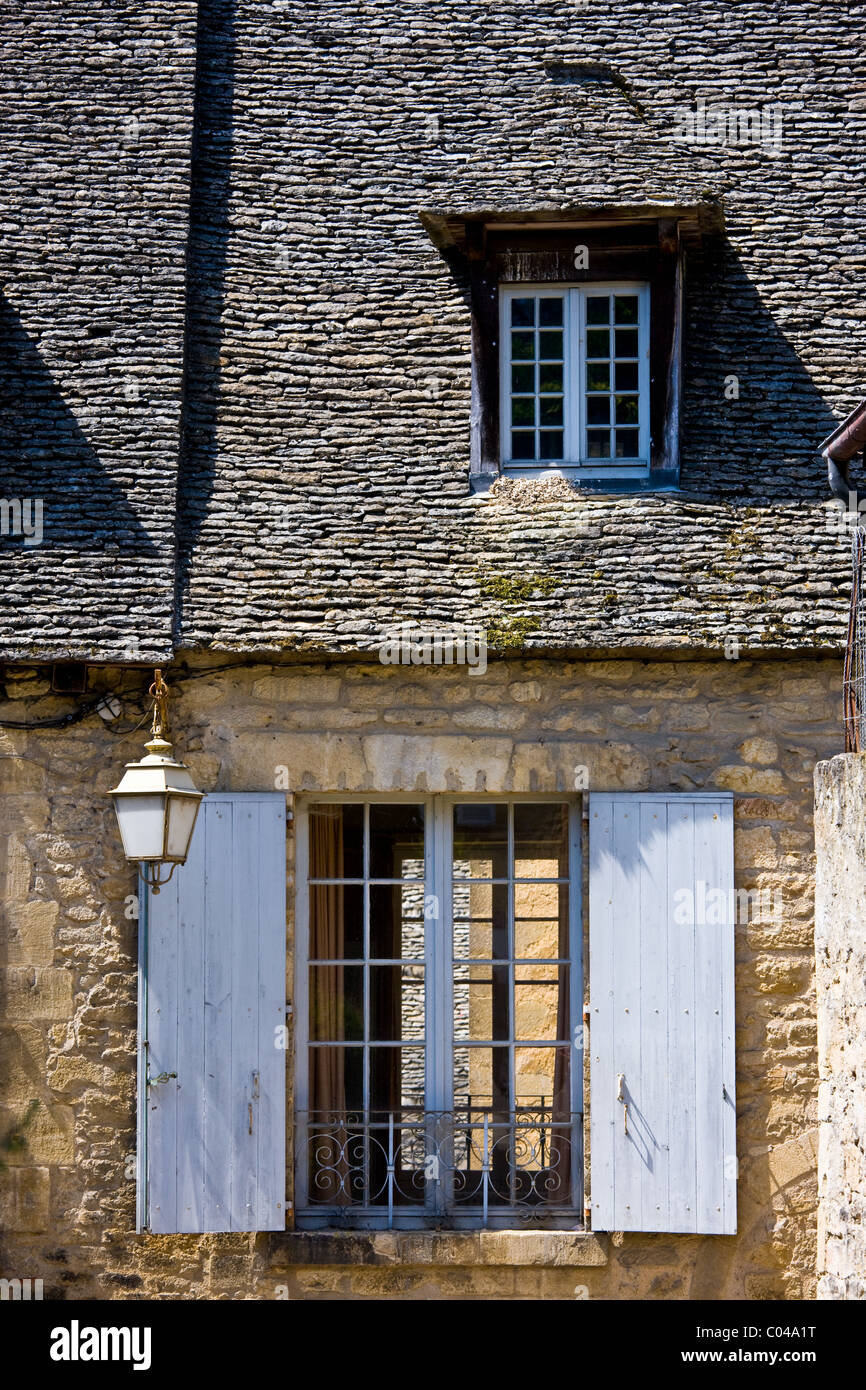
(327, 1009)
(561, 1137)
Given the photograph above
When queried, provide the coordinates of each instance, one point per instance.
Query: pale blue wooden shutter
(212, 1019)
(661, 969)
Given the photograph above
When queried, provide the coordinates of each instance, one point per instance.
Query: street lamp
(156, 801)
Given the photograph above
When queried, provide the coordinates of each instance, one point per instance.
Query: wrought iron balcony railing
(477, 1166)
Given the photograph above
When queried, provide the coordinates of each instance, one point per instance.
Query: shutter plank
(270, 1214)
(216, 1082)
(601, 975)
(190, 1138)
(651, 1124)
(243, 953)
(682, 1201)
(709, 1106)
(162, 1056)
(626, 910)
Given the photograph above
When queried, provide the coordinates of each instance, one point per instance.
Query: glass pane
(551, 410)
(626, 410)
(481, 1079)
(539, 1074)
(522, 313)
(627, 444)
(336, 1003)
(523, 345)
(480, 920)
(550, 444)
(550, 313)
(396, 841)
(522, 411)
(523, 444)
(597, 342)
(598, 377)
(336, 1079)
(598, 444)
(598, 410)
(336, 921)
(541, 921)
(541, 840)
(523, 378)
(549, 377)
(597, 308)
(481, 839)
(396, 1002)
(481, 1011)
(337, 841)
(540, 1006)
(626, 342)
(396, 1079)
(625, 308)
(550, 345)
(626, 376)
(397, 921)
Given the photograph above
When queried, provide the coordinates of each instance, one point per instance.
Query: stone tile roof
(324, 466)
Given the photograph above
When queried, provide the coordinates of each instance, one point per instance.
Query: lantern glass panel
(181, 819)
(141, 818)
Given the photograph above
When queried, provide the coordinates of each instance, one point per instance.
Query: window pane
(396, 841)
(627, 444)
(541, 921)
(541, 1003)
(523, 444)
(481, 1012)
(481, 839)
(396, 1079)
(336, 1003)
(523, 345)
(336, 841)
(598, 444)
(523, 411)
(480, 920)
(523, 379)
(550, 444)
(540, 1078)
(397, 921)
(625, 308)
(522, 313)
(598, 342)
(626, 376)
(481, 1078)
(626, 342)
(550, 312)
(626, 410)
(336, 921)
(598, 410)
(550, 345)
(549, 377)
(598, 377)
(551, 410)
(396, 1002)
(336, 1078)
(541, 840)
(597, 308)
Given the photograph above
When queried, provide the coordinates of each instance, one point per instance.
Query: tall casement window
(437, 1069)
(440, 1019)
(574, 377)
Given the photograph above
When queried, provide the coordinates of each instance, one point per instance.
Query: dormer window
(575, 378)
(577, 338)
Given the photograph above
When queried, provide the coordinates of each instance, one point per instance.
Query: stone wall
(67, 1133)
(840, 956)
